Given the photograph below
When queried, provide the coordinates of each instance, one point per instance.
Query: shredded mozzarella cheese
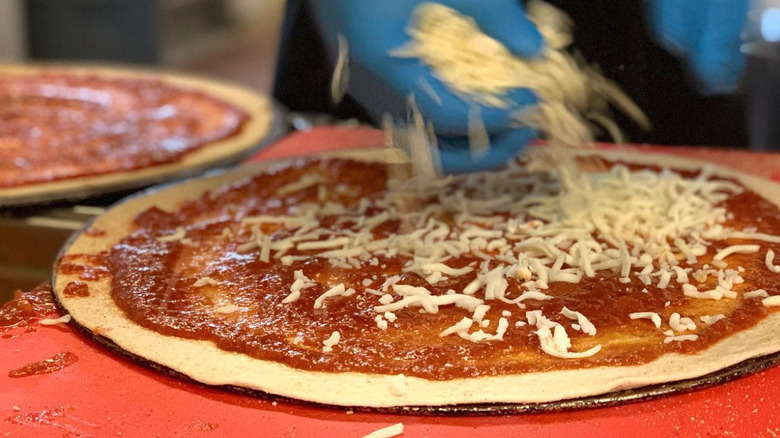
(585, 325)
(335, 291)
(758, 293)
(773, 301)
(770, 257)
(204, 281)
(230, 308)
(680, 338)
(652, 316)
(62, 320)
(387, 432)
(528, 231)
(681, 324)
(178, 235)
(329, 343)
(736, 249)
(711, 319)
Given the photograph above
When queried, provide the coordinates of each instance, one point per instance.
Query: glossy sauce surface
(25, 307)
(76, 289)
(60, 126)
(153, 283)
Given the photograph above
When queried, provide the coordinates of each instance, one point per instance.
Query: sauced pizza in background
(330, 265)
(59, 126)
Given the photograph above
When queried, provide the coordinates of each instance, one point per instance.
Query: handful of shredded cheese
(483, 70)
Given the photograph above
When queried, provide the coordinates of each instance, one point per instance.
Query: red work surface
(103, 395)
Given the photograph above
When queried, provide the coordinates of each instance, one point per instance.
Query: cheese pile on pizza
(327, 281)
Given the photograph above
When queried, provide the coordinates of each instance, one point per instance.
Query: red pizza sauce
(76, 289)
(87, 267)
(48, 366)
(60, 126)
(26, 307)
(153, 282)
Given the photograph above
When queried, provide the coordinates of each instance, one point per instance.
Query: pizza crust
(203, 362)
(258, 129)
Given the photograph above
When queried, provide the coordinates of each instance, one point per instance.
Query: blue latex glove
(705, 33)
(381, 83)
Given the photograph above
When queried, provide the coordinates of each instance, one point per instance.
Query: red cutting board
(103, 395)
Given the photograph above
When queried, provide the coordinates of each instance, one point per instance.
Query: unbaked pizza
(338, 281)
(66, 130)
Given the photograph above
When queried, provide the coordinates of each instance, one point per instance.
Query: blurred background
(274, 47)
(231, 39)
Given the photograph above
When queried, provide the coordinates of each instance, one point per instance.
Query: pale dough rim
(203, 362)
(259, 124)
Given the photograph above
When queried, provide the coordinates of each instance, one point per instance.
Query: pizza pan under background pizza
(341, 317)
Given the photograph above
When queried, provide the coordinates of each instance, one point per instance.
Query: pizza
(67, 131)
(347, 281)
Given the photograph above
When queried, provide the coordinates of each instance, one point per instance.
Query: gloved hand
(381, 83)
(705, 33)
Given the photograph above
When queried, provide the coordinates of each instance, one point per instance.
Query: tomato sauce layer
(239, 306)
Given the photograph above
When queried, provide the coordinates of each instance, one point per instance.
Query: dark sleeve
(304, 71)
(615, 35)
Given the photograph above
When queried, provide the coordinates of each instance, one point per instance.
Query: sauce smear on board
(47, 366)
